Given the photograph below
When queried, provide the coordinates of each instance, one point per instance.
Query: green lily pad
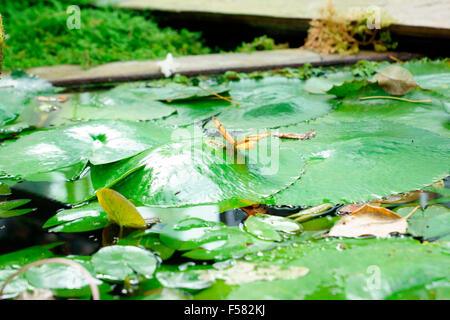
(207, 240)
(122, 103)
(184, 173)
(320, 85)
(344, 269)
(358, 161)
(121, 262)
(432, 224)
(68, 149)
(80, 219)
(268, 227)
(432, 75)
(18, 259)
(63, 280)
(178, 92)
(8, 208)
(149, 241)
(271, 103)
(432, 115)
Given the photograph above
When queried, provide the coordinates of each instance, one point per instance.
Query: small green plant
(261, 43)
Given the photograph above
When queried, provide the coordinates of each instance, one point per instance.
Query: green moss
(38, 35)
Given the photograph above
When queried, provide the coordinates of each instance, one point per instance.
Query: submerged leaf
(370, 220)
(119, 209)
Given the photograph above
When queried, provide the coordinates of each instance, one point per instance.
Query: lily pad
(120, 262)
(344, 269)
(69, 149)
(268, 227)
(432, 115)
(122, 103)
(185, 173)
(207, 240)
(432, 224)
(271, 103)
(373, 150)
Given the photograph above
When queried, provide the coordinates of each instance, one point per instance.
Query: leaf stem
(218, 95)
(411, 213)
(394, 98)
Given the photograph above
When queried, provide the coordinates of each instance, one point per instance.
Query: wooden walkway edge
(72, 75)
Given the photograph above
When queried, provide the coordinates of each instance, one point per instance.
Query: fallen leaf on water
(370, 220)
(395, 80)
(119, 209)
(298, 136)
(311, 213)
(52, 99)
(224, 132)
(350, 208)
(251, 141)
(255, 209)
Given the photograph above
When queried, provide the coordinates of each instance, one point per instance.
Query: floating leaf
(207, 240)
(121, 103)
(321, 85)
(79, 219)
(190, 173)
(432, 224)
(68, 149)
(184, 280)
(395, 80)
(8, 208)
(244, 272)
(370, 220)
(311, 213)
(272, 102)
(355, 269)
(149, 241)
(120, 209)
(268, 227)
(373, 150)
(120, 262)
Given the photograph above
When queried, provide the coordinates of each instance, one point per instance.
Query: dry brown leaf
(370, 221)
(254, 209)
(251, 141)
(224, 132)
(349, 208)
(395, 80)
(52, 99)
(298, 136)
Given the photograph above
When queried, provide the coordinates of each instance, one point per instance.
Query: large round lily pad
(192, 172)
(68, 149)
(362, 160)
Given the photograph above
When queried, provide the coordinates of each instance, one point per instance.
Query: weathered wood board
(419, 18)
(69, 75)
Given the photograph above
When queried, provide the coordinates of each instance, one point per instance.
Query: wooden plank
(203, 64)
(416, 17)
